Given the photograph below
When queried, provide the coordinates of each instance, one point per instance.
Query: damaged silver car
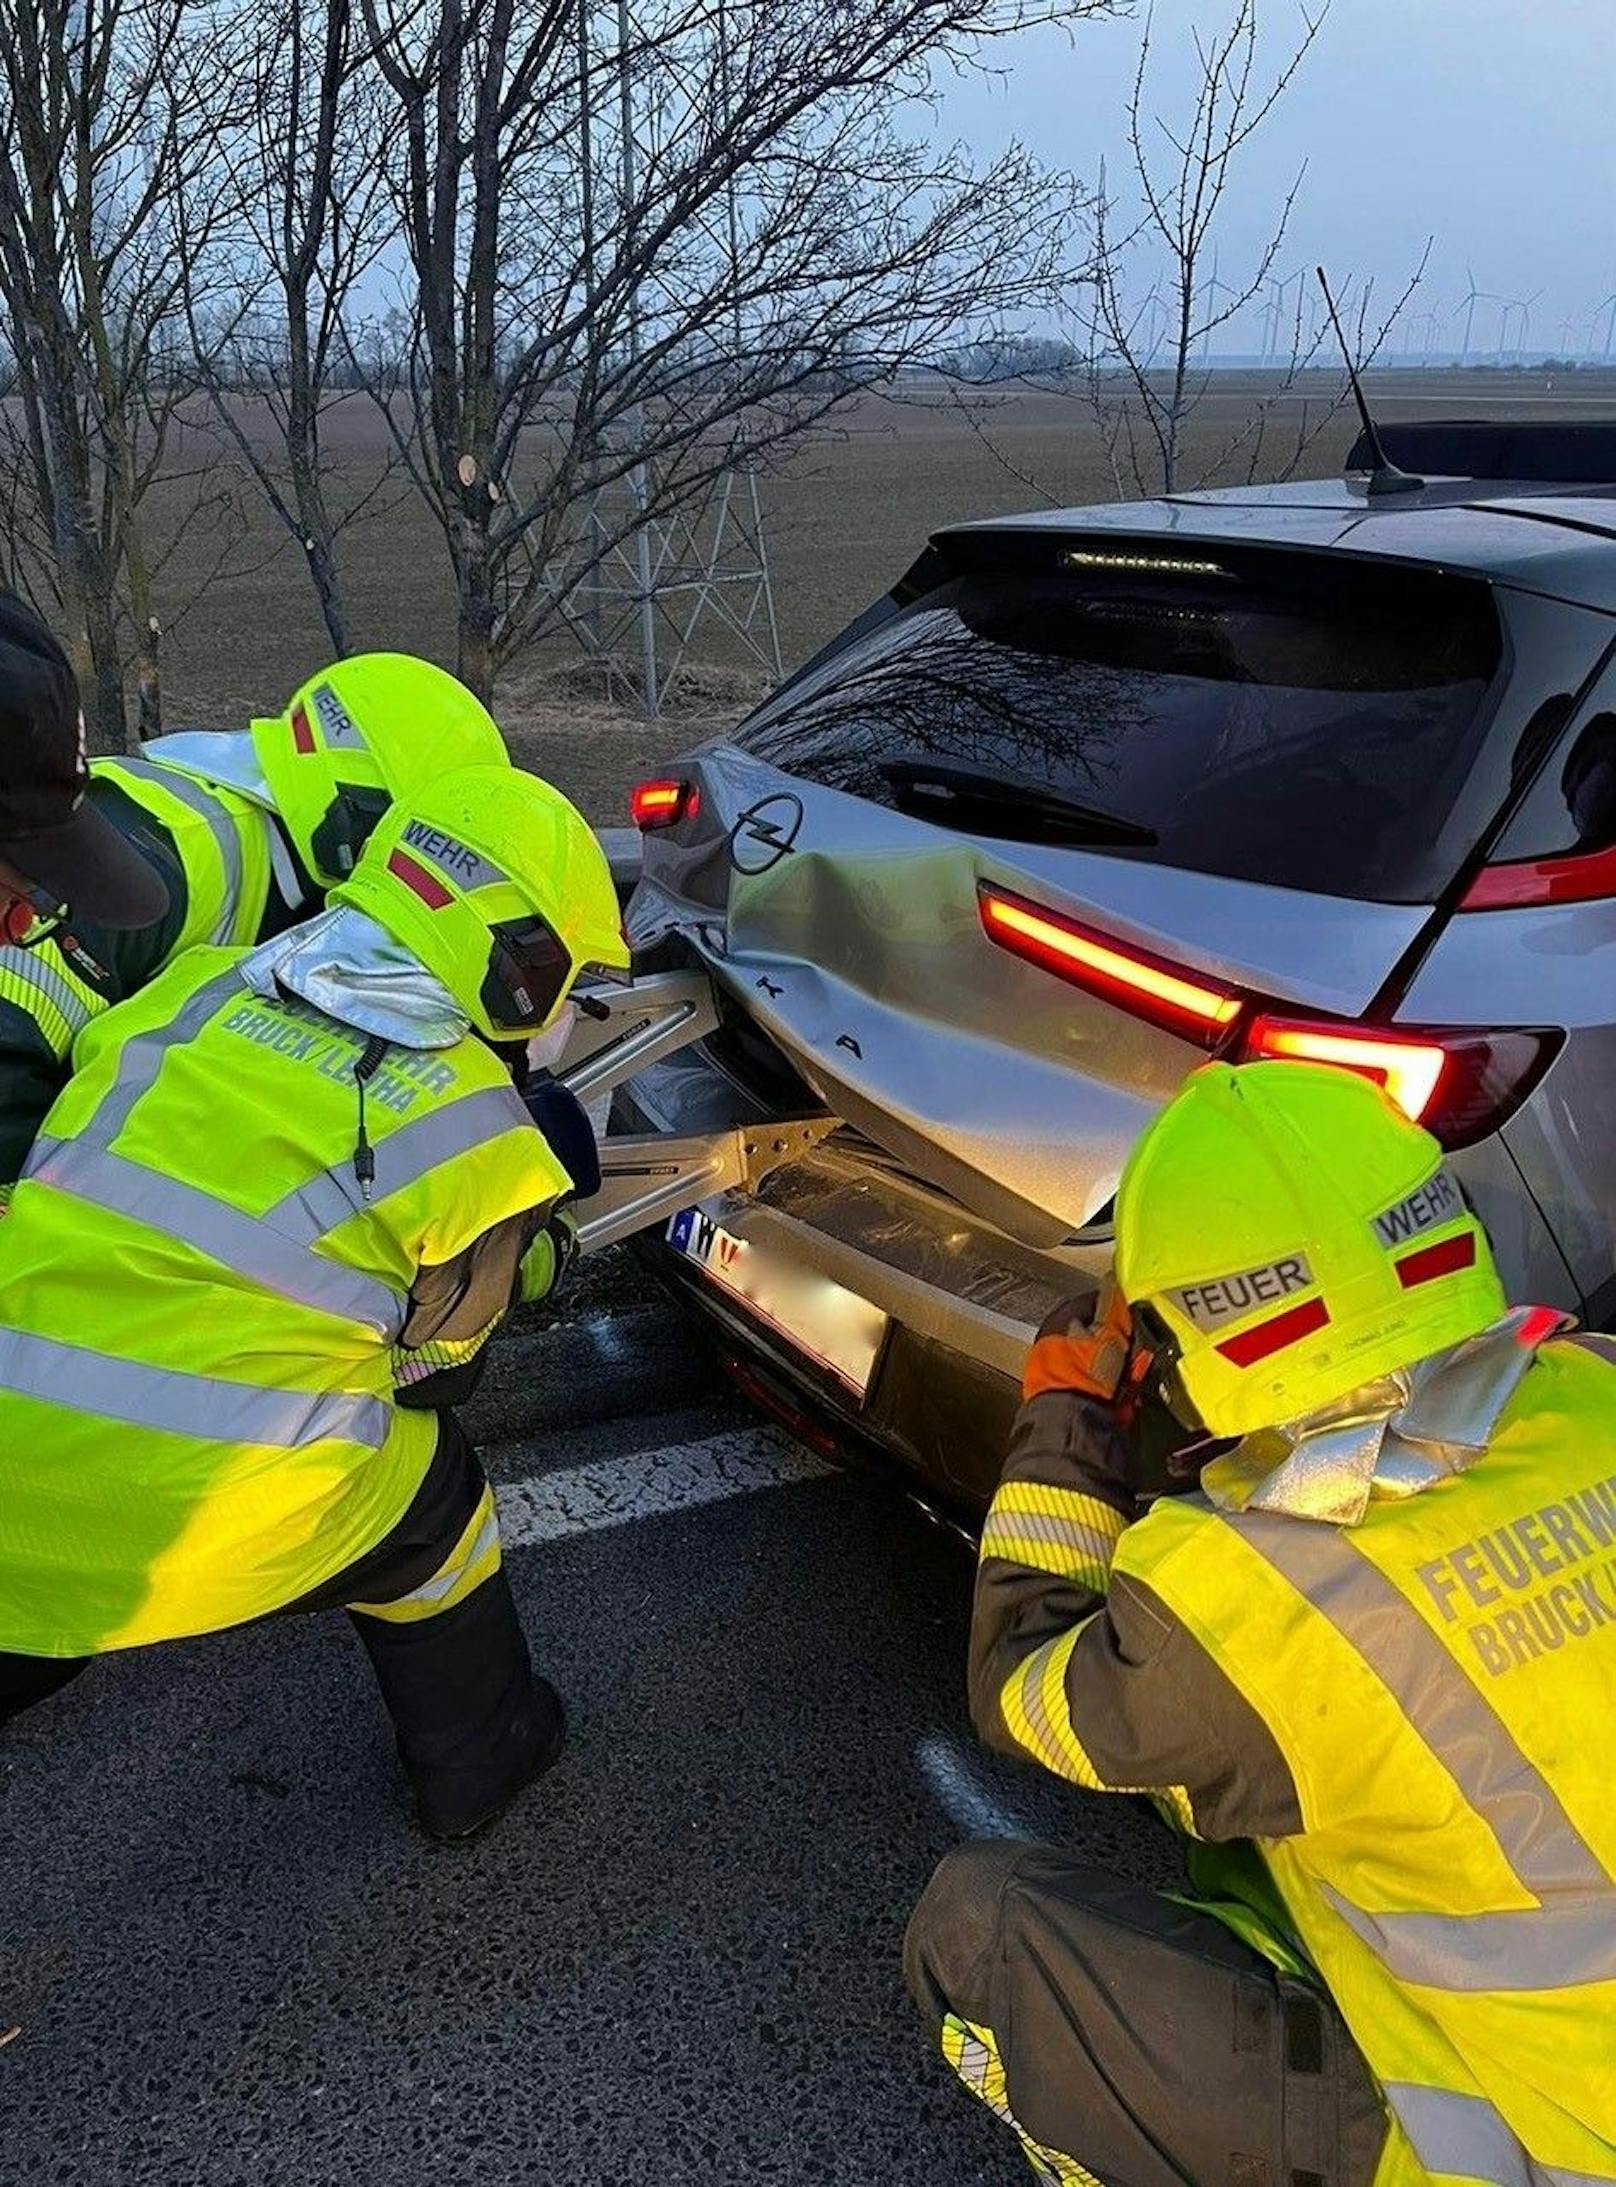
(1088, 797)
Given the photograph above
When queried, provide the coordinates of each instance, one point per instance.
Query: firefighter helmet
(497, 883)
(1286, 1235)
(359, 734)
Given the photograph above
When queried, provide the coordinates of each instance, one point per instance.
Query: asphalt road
(231, 1960)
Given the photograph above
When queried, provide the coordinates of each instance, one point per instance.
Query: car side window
(1570, 805)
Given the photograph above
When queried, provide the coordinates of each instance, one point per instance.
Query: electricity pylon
(643, 581)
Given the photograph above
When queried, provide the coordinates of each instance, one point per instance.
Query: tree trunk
(149, 677)
(473, 557)
(148, 630)
(88, 581)
(476, 635)
(319, 552)
(316, 534)
(105, 721)
(328, 589)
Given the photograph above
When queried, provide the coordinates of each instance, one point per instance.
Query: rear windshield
(1297, 720)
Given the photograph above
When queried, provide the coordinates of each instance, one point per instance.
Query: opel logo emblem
(765, 833)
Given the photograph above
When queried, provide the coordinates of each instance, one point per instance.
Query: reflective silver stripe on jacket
(445, 1581)
(142, 1057)
(171, 1403)
(1463, 2136)
(220, 824)
(1003, 1529)
(24, 968)
(245, 1243)
(1570, 1936)
(403, 1158)
(275, 1250)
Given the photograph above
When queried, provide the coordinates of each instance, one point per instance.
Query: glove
(548, 1258)
(564, 1121)
(1088, 1357)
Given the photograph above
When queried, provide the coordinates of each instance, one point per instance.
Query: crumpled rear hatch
(1255, 772)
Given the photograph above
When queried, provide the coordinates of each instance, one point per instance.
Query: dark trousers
(457, 1682)
(1131, 2040)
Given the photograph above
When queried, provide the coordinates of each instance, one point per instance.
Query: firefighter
(57, 853)
(245, 831)
(252, 1260)
(1368, 1668)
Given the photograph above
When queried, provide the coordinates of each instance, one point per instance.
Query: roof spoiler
(1583, 454)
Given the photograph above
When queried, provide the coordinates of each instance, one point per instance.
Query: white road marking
(648, 1484)
(951, 1774)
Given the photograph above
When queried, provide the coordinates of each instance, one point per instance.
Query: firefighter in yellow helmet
(1367, 1668)
(253, 1258)
(241, 833)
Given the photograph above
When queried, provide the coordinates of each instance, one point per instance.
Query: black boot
(535, 1744)
(27, 1679)
(475, 1726)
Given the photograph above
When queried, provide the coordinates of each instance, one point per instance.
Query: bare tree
(270, 288)
(644, 241)
(1146, 373)
(109, 113)
(43, 76)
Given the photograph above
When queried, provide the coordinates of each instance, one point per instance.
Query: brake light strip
(1151, 987)
(1574, 880)
(1410, 1070)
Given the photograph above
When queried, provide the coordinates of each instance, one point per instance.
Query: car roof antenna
(1385, 477)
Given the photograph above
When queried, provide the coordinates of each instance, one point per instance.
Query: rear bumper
(961, 1301)
(943, 1418)
(843, 1224)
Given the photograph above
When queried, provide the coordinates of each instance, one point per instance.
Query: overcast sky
(1488, 125)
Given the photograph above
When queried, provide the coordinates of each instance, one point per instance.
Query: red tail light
(663, 802)
(1575, 880)
(1410, 1070)
(1148, 986)
(1460, 1086)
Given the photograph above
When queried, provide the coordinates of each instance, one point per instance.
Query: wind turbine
(1271, 316)
(1152, 318)
(1277, 311)
(1211, 290)
(1471, 298)
(1524, 306)
(1610, 324)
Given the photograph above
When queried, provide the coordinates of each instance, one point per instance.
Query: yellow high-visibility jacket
(212, 848)
(197, 1370)
(1409, 1719)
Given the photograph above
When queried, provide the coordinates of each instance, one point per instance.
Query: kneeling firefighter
(253, 1258)
(1369, 1668)
(243, 831)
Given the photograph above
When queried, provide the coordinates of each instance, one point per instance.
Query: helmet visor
(529, 972)
(347, 826)
(1164, 1376)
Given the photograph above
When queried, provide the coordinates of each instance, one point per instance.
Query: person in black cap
(59, 857)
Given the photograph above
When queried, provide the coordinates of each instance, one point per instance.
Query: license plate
(837, 1329)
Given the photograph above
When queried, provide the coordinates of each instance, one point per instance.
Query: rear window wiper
(997, 801)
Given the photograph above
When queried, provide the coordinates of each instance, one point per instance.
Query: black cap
(48, 830)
